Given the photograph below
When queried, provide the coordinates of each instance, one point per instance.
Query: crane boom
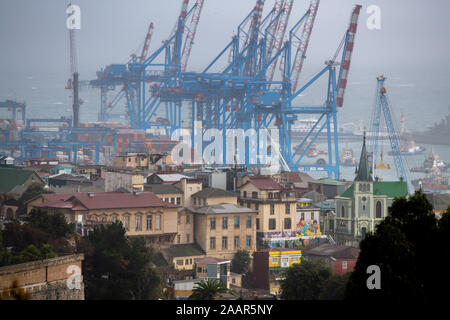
(279, 36)
(148, 38)
(190, 36)
(303, 44)
(347, 55)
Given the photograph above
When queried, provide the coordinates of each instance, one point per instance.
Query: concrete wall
(45, 279)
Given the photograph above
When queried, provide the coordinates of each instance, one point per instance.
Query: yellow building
(141, 214)
(269, 266)
(222, 229)
(276, 208)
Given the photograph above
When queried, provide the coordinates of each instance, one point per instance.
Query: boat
(435, 182)
(433, 158)
(347, 158)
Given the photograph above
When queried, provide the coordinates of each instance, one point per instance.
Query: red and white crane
(148, 38)
(303, 43)
(190, 35)
(279, 36)
(347, 56)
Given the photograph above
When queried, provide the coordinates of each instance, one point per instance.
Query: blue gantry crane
(382, 110)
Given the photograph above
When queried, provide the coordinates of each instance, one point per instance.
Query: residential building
(210, 196)
(213, 268)
(141, 214)
(189, 186)
(132, 160)
(183, 256)
(364, 204)
(276, 208)
(127, 179)
(307, 220)
(8, 209)
(270, 264)
(222, 229)
(340, 259)
(166, 192)
(165, 178)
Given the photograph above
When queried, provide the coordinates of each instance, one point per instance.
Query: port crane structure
(382, 110)
(245, 94)
(249, 92)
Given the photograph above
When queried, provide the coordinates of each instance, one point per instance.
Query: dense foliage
(241, 261)
(410, 247)
(208, 289)
(116, 268)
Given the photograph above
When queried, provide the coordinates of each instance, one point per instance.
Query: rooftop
(211, 260)
(109, 200)
(337, 252)
(265, 183)
(184, 250)
(170, 178)
(213, 192)
(223, 208)
(158, 188)
(391, 189)
(330, 182)
(12, 177)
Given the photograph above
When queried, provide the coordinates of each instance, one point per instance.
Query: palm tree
(208, 289)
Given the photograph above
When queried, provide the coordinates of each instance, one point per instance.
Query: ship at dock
(407, 144)
(431, 160)
(437, 134)
(435, 182)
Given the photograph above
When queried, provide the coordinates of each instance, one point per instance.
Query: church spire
(364, 171)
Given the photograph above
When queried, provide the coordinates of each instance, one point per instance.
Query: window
(342, 211)
(237, 224)
(188, 219)
(236, 242)
(303, 216)
(158, 222)
(312, 216)
(195, 201)
(249, 222)
(378, 210)
(257, 223)
(224, 242)
(288, 208)
(224, 223)
(178, 200)
(149, 222)
(188, 236)
(178, 238)
(274, 260)
(179, 219)
(212, 223)
(287, 223)
(138, 223)
(114, 218)
(256, 206)
(190, 261)
(294, 259)
(270, 195)
(248, 205)
(127, 222)
(244, 194)
(276, 195)
(272, 224)
(272, 208)
(248, 241)
(180, 262)
(344, 264)
(186, 262)
(172, 200)
(212, 243)
(255, 195)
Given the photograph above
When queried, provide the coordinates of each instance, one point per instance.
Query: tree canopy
(208, 289)
(116, 268)
(241, 261)
(410, 247)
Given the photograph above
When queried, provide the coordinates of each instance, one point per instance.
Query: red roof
(52, 197)
(107, 200)
(265, 183)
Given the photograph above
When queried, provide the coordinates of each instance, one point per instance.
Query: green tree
(241, 261)
(54, 224)
(116, 268)
(334, 287)
(32, 253)
(208, 289)
(5, 256)
(408, 246)
(304, 281)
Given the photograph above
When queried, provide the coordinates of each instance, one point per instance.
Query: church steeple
(364, 170)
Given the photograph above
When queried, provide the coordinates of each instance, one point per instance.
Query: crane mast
(148, 38)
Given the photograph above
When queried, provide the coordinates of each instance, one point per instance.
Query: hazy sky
(34, 39)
